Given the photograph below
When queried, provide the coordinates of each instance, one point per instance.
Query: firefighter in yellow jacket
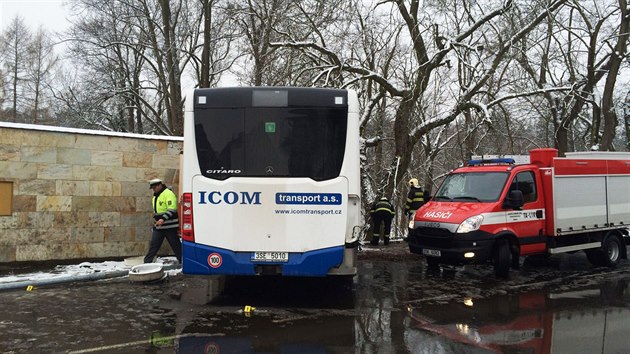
(415, 198)
(166, 222)
(382, 212)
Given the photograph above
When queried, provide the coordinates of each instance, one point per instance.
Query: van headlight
(411, 224)
(471, 224)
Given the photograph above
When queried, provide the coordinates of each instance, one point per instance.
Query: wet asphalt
(394, 305)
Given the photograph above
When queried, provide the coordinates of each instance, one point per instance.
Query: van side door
(529, 222)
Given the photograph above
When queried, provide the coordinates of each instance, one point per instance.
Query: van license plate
(432, 253)
(270, 257)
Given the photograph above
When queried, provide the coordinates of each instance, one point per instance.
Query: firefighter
(415, 199)
(166, 223)
(382, 212)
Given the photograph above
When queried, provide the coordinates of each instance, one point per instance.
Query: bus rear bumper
(205, 260)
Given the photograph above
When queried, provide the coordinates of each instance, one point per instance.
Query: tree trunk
(15, 84)
(402, 143)
(175, 114)
(626, 117)
(470, 142)
(36, 100)
(205, 54)
(562, 138)
(618, 55)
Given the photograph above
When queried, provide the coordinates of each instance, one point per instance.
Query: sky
(51, 14)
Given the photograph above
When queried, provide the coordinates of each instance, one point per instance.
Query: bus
(270, 182)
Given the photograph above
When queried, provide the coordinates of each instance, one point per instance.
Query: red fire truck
(495, 209)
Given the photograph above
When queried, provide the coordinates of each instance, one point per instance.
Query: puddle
(390, 307)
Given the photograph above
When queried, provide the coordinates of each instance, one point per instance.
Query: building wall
(79, 194)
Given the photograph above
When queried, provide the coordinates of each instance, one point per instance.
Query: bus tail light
(187, 230)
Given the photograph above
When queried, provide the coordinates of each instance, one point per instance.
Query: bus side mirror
(514, 200)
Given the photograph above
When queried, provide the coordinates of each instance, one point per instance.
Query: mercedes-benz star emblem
(269, 170)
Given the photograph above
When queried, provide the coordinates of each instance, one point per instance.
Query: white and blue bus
(270, 182)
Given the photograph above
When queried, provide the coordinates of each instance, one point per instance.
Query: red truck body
(498, 210)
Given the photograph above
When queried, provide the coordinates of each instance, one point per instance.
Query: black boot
(374, 241)
(386, 240)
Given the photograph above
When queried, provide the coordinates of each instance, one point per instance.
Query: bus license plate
(432, 253)
(270, 257)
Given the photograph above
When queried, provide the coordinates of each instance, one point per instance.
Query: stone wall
(80, 194)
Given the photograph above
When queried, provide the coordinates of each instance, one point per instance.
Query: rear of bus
(270, 182)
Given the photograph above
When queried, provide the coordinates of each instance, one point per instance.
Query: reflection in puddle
(315, 318)
(390, 307)
(589, 320)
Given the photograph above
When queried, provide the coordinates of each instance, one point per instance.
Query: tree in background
(14, 45)
(438, 81)
(214, 32)
(582, 50)
(261, 23)
(626, 118)
(42, 63)
(2, 89)
(476, 39)
(134, 57)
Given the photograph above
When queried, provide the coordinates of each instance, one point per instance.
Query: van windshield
(271, 142)
(472, 186)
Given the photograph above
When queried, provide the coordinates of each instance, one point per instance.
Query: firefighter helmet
(413, 182)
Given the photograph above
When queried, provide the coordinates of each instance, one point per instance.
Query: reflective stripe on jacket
(382, 205)
(165, 207)
(415, 199)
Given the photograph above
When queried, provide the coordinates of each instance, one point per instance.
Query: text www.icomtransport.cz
(308, 211)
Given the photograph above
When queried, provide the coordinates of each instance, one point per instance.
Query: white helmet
(154, 182)
(413, 182)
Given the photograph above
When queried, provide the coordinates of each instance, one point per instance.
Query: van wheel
(611, 250)
(502, 259)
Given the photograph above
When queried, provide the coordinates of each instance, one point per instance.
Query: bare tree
(41, 64)
(618, 55)
(257, 20)
(210, 47)
(15, 41)
(2, 88)
(173, 96)
(626, 118)
(262, 22)
(143, 52)
(426, 58)
(576, 53)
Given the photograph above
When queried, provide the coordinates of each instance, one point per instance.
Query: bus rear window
(271, 142)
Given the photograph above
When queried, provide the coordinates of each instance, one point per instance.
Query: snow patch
(61, 271)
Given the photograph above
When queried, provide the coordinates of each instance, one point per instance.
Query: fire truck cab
(498, 210)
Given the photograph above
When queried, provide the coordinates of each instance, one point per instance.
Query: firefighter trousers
(381, 218)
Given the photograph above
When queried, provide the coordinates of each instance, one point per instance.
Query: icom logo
(230, 197)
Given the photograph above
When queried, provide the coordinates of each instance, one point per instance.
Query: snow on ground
(63, 271)
(395, 250)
